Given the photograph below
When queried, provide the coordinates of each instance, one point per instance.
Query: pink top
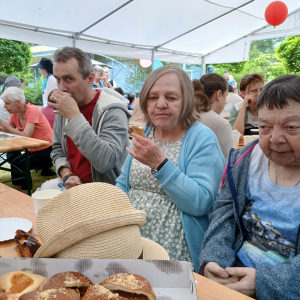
(49, 114)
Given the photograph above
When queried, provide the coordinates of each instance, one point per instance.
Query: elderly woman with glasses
(253, 241)
(173, 172)
(243, 115)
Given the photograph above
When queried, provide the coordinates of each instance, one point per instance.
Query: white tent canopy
(183, 31)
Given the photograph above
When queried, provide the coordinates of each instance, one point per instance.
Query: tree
(289, 52)
(135, 79)
(267, 64)
(15, 56)
(231, 68)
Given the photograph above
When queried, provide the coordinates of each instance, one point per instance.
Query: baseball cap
(12, 81)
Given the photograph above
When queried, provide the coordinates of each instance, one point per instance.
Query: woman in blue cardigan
(173, 172)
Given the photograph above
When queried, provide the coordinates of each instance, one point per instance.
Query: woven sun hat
(94, 220)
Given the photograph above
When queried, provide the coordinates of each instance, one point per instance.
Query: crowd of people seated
(232, 213)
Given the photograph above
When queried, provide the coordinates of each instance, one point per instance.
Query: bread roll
(67, 280)
(18, 282)
(137, 129)
(99, 292)
(133, 287)
(8, 296)
(52, 294)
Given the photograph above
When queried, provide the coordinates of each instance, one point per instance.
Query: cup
(40, 197)
(247, 139)
(236, 142)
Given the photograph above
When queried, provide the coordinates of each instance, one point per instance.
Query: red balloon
(276, 13)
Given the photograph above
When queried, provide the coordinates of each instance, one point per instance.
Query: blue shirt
(96, 87)
(270, 218)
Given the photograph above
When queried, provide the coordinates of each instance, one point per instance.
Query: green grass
(37, 178)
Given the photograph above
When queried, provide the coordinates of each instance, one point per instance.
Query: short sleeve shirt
(42, 130)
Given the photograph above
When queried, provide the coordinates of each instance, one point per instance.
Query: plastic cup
(247, 139)
(236, 142)
(42, 196)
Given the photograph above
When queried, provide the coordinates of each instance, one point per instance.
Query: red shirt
(81, 166)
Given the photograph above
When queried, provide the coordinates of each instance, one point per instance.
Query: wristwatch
(66, 176)
(155, 171)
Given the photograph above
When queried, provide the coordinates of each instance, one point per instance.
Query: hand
(248, 99)
(214, 272)
(65, 104)
(105, 80)
(4, 126)
(72, 181)
(146, 151)
(247, 280)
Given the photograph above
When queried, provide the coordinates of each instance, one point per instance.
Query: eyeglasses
(245, 77)
(27, 243)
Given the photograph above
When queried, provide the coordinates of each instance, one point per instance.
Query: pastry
(19, 282)
(99, 292)
(67, 280)
(137, 129)
(133, 287)
(8, 296)
(52, 294)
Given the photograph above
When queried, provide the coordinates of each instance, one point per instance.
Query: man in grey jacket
(90, 133)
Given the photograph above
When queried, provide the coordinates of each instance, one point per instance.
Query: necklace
(276, 176)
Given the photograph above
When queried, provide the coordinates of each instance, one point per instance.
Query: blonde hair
(189, 115)
(97, 68)
(13, 94)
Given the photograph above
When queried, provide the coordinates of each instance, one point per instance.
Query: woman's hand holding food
(146, 151)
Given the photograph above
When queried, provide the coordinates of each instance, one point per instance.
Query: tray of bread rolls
(95, 279)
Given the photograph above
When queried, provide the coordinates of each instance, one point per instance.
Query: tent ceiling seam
(205, 23)
(78, 34)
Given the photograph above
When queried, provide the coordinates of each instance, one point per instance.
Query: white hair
(13, 94)
(97, 68)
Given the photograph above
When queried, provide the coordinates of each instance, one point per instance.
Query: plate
(9, 226)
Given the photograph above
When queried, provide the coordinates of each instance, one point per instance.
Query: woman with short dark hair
(243, 115)
(253, 240)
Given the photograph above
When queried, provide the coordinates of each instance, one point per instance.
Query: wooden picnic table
(16, 204)
(19, 143)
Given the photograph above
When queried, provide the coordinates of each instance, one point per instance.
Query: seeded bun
(52, 294)
(129, 286)
(67, 280)
(99, 292)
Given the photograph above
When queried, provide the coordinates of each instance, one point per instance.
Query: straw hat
(94, 220)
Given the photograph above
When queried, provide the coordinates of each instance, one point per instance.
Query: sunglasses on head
(27, 243)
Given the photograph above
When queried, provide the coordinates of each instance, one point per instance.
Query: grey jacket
(224, 237)
(103, 144)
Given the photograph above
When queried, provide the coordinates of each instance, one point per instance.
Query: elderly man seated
(27, 120)
(252, 243)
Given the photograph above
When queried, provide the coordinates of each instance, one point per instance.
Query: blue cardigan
(192, 185)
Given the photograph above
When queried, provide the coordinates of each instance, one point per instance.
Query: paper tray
(171, 280)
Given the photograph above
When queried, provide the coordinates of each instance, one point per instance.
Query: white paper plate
(9, 226)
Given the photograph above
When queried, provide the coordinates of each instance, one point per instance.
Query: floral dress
(163, 223)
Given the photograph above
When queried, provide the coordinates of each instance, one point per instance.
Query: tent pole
(74, 42)
(152, 58)
(203, 69)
